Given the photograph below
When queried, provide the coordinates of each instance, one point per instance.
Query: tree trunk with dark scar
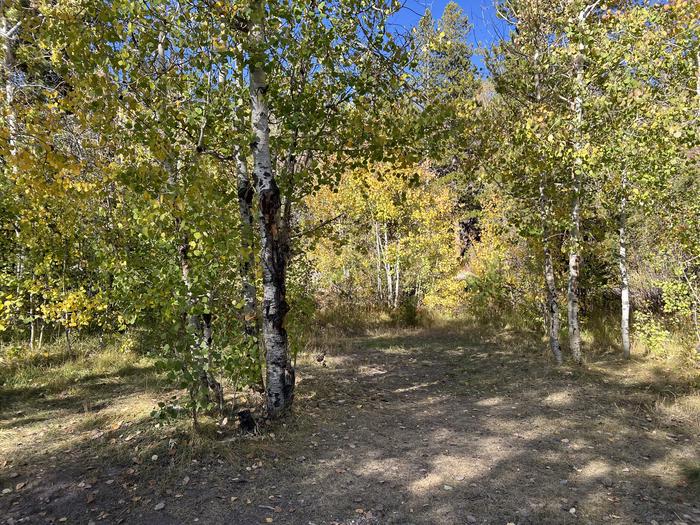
(280, 372)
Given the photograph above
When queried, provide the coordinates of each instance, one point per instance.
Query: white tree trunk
(9, 80)
(624, 275)
(387, 269)
(280, 372)
(549, 279)
(32, 322)
(575, 237)
(572, 289)
(552, 305)
(9, 73)
(397, 281)
(378, 248)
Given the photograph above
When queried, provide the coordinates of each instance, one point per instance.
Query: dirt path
(417, 428)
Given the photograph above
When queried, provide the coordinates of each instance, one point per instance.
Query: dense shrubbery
(224, 177)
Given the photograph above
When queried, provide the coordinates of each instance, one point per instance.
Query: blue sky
(481, 13)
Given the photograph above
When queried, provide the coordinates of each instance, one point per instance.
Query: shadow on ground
(425, 427)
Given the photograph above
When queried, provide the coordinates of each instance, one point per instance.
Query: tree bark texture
(274, 245)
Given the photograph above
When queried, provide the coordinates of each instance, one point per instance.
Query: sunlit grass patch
(54, 368)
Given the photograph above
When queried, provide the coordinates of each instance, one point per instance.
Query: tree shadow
(421, 427)
(27, 405)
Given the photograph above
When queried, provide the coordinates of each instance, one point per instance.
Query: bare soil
(410, 427)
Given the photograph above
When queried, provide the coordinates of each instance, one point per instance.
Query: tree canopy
(223, 172)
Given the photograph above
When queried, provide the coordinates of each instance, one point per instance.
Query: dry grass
(54, 400)
(383, 424)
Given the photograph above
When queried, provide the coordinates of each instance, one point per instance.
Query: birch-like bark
(245, 206)
(9, 73)
(624, 275)
(575, 236)
(378, 248)
(9, 80)
(247, 260)
(574, 266)
(397, 281)
(387, 269)
(552, 306)
(280, 372)
(32, 323)
(34, 319)
(549, 279)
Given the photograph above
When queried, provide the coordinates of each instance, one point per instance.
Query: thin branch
(317, 227)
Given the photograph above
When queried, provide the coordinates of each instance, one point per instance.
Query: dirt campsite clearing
(403, 427)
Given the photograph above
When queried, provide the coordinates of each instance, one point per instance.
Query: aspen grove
(218, 185)
(163, 161)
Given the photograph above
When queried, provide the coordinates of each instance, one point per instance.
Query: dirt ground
(410, 427)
